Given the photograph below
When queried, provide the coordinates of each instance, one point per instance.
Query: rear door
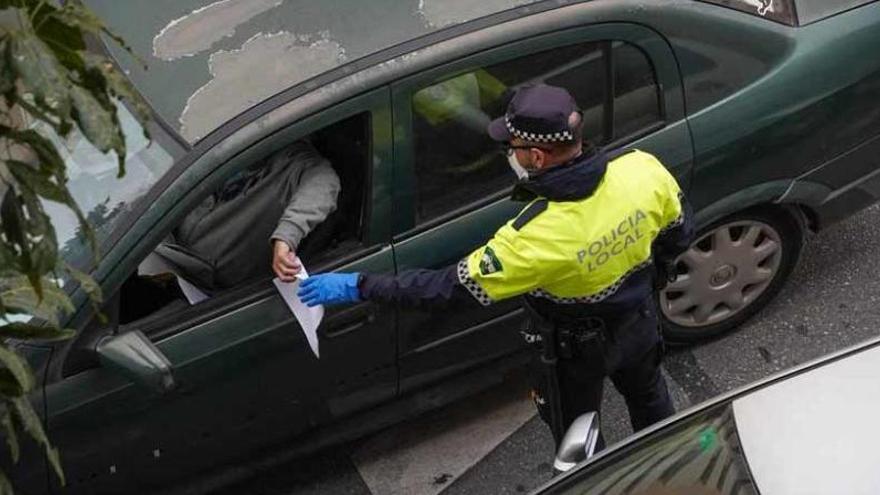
(451, 182)
(246, 377)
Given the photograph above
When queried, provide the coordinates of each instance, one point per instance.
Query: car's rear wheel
(734, 268)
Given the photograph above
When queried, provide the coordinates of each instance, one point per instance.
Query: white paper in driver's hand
(309, 318)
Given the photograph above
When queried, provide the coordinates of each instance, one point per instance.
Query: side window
(456, 164)
(309, 194)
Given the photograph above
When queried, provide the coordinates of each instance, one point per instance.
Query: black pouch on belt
(588, 340)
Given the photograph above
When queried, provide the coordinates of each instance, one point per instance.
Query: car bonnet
(815, 432)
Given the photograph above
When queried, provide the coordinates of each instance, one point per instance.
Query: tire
(733, 269)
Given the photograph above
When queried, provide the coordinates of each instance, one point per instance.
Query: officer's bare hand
(285, 264)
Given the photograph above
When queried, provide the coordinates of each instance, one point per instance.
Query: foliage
(50, 82)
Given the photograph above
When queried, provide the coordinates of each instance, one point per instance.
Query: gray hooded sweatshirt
(227, 239)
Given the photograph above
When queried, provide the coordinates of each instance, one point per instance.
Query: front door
(247, 379)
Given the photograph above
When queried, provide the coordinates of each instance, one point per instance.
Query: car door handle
(350, 320)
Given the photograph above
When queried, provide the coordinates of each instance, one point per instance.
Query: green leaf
(77, 15)
(50, 159)
(28, 420)
(86, 282)
(7, 263)
(119, 87)
(7, 76)
(27, 231)
(19, 296)
(39, 183)
(9, 386)
(18, 367)
(40, 72)
(98, 124)
(26, 331)
(50, 166)
(11, 221)
(40, 241)
(61, 126)
(63, 39)
(11, 437)
(5, 485)
(15, 230)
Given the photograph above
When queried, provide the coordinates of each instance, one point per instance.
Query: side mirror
(134, 356)
(579, 442)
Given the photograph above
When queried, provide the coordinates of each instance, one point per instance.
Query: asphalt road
(494, 444)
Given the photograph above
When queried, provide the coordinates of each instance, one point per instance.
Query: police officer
(583, 253)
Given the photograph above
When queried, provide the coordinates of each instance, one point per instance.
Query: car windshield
(209, 60)
(700, 456)
(101, 195)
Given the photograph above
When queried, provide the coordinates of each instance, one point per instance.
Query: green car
(765, 110)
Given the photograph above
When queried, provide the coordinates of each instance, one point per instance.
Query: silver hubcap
(722, 273)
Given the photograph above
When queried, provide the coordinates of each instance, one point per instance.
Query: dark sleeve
(418, 288)
(677, 237)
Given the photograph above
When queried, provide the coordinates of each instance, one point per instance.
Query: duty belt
(572, 332)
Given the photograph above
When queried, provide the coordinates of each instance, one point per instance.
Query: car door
(451, 184)
(246, 378)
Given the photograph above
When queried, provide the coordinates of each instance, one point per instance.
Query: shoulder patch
(529, 214)
(489, 262)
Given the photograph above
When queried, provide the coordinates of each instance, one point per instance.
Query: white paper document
(309, 318)
(155, 264)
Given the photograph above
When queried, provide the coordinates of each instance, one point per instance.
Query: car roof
(815, 432)
(209, 60)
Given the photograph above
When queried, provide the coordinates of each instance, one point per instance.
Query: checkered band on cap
(464, 278)
(555, 137)
(594, 298)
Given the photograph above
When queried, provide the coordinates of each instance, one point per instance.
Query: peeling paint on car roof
(209, 60)
(200, 29)
(244, 77)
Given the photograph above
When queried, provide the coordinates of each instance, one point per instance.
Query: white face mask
(519, 170)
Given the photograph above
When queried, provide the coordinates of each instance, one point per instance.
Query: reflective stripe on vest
(580, 251)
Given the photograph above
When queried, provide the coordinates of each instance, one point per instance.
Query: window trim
(661, 102)
(404, 226)
(610, 85)
(232, 300)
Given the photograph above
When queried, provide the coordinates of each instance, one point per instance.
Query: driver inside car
(249, 228)
(253, 224)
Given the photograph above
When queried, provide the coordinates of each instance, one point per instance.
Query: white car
(810, 430)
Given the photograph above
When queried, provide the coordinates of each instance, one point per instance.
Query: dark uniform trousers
(628, 350)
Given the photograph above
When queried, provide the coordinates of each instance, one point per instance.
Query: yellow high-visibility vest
(580, 251)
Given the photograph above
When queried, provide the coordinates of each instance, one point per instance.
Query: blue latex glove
(329, 288)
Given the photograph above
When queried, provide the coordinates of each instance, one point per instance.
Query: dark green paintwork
(757, 114)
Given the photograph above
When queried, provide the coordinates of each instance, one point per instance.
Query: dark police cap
(536, 113)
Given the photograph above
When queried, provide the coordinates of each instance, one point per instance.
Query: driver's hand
(285, 264)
